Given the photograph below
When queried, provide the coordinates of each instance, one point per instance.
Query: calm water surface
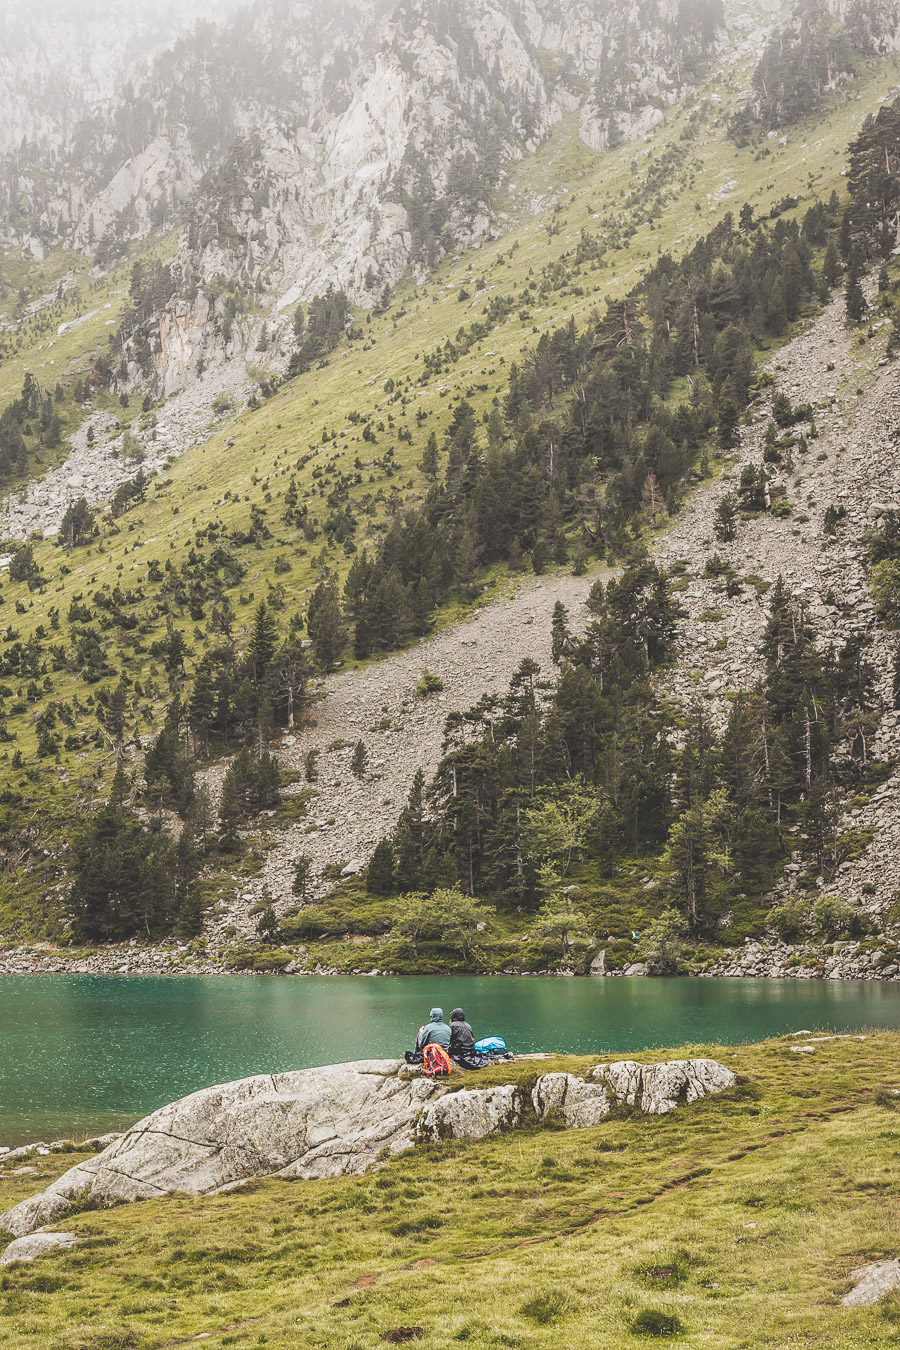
(80, 1053)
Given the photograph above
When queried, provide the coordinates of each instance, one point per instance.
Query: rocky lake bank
(763, 958)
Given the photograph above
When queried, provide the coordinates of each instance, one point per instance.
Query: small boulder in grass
(402, 1335)
(35, 1245)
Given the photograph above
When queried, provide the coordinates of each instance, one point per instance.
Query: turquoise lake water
(83, 1053)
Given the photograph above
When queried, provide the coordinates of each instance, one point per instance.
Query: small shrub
(833, 918)
(422, 1224)
(429, 684)
(546, 1307)
(788, 920)
(888, 1098)
(667, 1272)
(655, 1322)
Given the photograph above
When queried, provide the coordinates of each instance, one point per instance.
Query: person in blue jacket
(435, 1031)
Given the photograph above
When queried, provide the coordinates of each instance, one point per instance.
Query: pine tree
(559, 629)
(380, 872)
(409, 836)
(232, 805)
(360, 760)
(729, 420)
(429, 464)
(831, 266)
(303, 876)
(325, 625)
(726, 518)
(262, 645)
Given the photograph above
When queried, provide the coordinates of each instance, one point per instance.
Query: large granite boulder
(660, 1088)
(35, 1245)
(471, 1115)
(311, 1123)
(580, 1104)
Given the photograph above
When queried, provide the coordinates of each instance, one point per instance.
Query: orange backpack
(436, 1061)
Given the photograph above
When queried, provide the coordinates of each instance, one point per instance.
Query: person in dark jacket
(462, 1037)
(436, 1031)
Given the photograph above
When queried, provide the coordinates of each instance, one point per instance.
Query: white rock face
(141, 182)
(660, 1088)
(316, 142)
(471, 1115)
(601, 130)
(35, 1245)
(624, 1078)
(581, 1104)
(872, 1283)
(312, 1123)
(655, 1088)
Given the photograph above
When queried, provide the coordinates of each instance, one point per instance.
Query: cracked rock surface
(311, 1123)
(872, 1283)
(337, 1120)
(471, 1115)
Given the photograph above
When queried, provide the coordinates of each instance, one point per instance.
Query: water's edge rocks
(759, 958)
(342, 1119)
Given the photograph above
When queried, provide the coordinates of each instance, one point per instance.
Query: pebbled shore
(764, 958)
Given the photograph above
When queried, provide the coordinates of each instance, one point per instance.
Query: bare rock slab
(660, 1088)
(35, 1245)
(341, 1119)
(311, 1123)
(471, 1115)
(580, 1104)
(872, 1283)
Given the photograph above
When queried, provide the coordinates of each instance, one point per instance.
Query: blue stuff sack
(491, 1045)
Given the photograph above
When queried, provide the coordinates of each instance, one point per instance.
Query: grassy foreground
(740, 1218)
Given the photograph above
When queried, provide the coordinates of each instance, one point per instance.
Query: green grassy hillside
(733, 1223)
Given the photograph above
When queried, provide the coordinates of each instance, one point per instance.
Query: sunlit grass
(741, 1216)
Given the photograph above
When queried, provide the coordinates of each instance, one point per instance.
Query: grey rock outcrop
(655, 1088)
(581, 1104)
(471, 1115)
(660, 1088)
(872, 1283)
(333, 1121)
(311, 1123)
(35, 1245)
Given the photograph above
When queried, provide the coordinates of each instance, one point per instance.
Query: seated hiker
(462, 1042)
(434, 1032)
(462, 1037)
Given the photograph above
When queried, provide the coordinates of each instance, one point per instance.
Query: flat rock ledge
(342, 1119)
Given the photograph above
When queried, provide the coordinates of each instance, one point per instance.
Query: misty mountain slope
(399, 162)
(269, 490)
(816, 53)
(60, 63)
(605, 202)
(339, 146)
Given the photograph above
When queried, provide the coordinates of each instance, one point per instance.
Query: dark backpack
(435, 1061)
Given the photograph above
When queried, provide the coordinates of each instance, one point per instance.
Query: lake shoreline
(762, 959)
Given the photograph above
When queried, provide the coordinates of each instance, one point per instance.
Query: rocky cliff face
(327, 146)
